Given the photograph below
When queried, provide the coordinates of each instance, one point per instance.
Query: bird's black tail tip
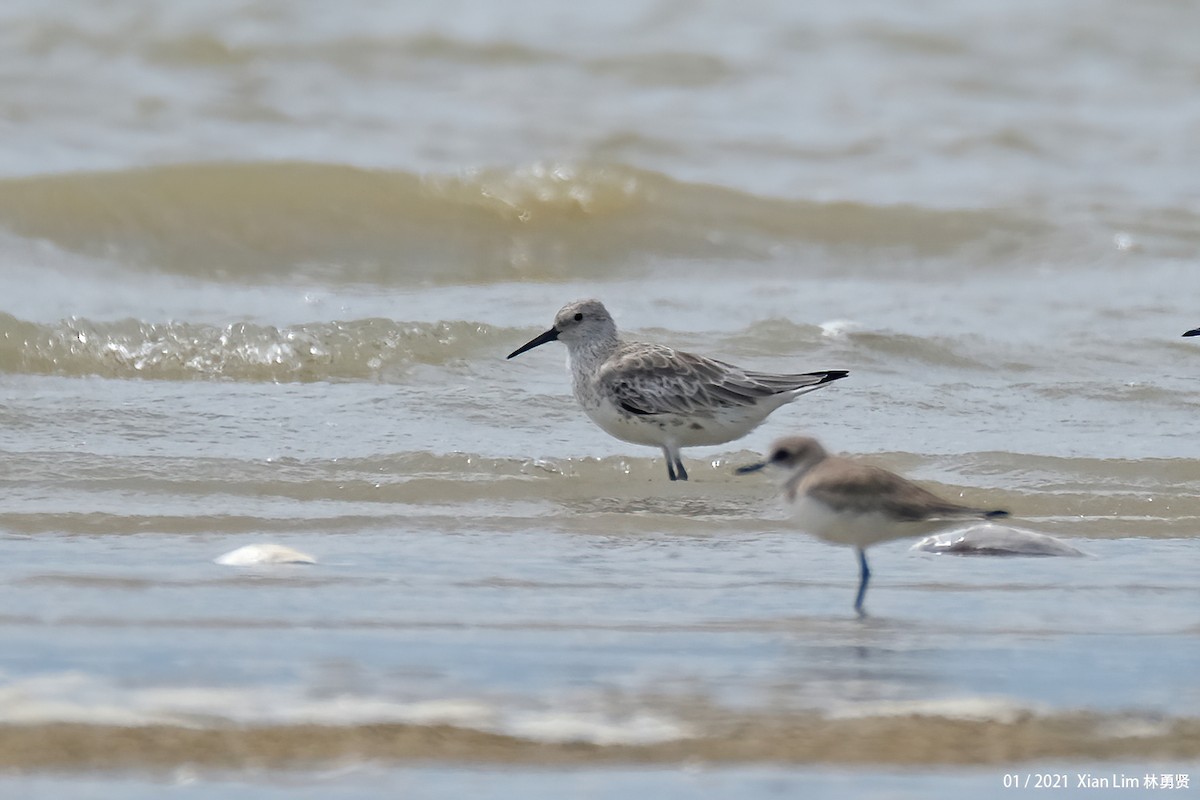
(995, 514)
(833, 375)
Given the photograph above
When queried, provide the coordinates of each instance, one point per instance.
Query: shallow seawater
(685, 782)
(260, 266)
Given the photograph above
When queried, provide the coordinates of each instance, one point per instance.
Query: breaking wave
(257, 221)
(71, 721)
(359, 349)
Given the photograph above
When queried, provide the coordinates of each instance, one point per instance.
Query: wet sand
(901, 741)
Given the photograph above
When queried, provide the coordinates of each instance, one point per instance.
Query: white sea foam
(840, 328)
(975, 709)
(79, 698)
(598, 728)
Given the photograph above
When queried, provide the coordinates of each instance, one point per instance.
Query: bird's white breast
(680, 430)
(857, 529)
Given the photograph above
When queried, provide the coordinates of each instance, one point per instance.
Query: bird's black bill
(1193, 332)
(537, 341)
(750, 468)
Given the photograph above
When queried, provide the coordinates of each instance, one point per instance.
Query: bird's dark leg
(670, 465)
(679, 470)
(865, 573)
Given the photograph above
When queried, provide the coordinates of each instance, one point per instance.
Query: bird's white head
(584, 322)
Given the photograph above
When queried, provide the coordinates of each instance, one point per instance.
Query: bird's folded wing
(659, 380)
(869, 489)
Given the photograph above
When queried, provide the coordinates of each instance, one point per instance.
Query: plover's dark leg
(670, 458)
(865, 573)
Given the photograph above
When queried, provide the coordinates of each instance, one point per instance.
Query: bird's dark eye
(578, 317)
(779, 455)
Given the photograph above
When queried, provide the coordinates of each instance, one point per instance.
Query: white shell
(257, 554)
(996, 540)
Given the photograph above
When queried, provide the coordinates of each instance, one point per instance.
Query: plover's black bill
(1193, 332)
(750, 468)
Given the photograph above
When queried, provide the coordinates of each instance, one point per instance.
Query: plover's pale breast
(858, 505)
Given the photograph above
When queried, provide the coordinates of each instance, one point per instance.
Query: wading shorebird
(653, 395)
(848, 503)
